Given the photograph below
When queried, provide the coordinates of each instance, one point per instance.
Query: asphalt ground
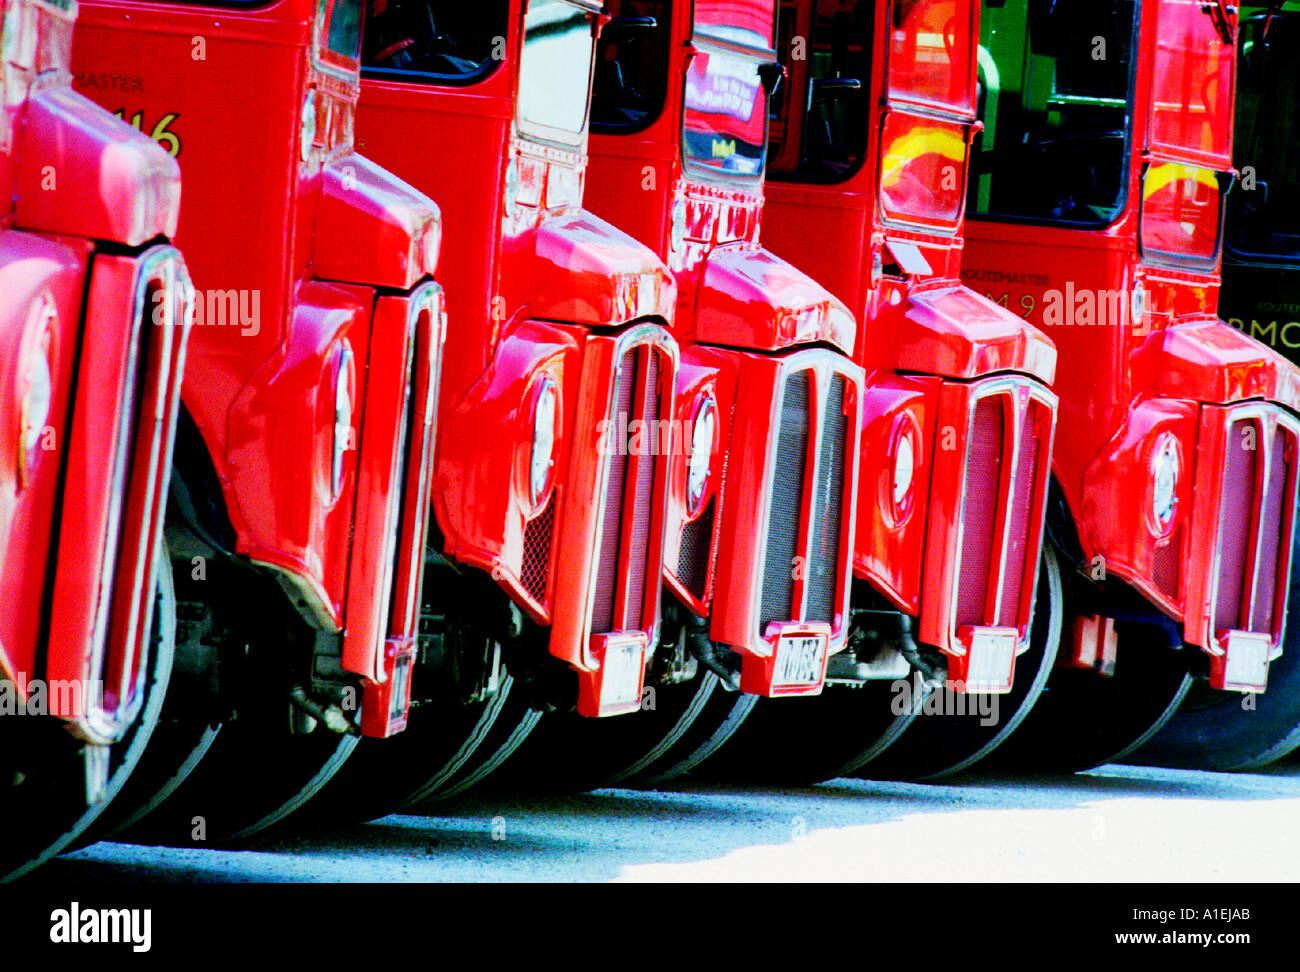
(1113, 824)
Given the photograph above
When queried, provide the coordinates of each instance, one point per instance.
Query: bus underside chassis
(477, 690)
(886, 711)
(56, 787)
(689, 706)
(260, 714)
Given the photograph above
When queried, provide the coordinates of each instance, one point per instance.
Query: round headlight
(904, 469)
(342, 419)
(36, 401)
(1138, 305)
(1164, 481)
(308, 132)
(37, 388)
(544, 412)
(430, 245)
(512, 186)
(701, 459)
(678, 228)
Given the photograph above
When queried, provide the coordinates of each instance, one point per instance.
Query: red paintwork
(534, 276)
(81, 502)
(90, 601)
(311, 231)
(1178, 371)
(740, 311)
(887, 240)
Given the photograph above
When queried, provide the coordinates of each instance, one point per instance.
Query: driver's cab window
(631, 82)
(819, 126)
(1264, 207)
(1055, 83)
(437, 41)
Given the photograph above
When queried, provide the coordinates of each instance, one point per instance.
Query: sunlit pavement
(1117, 823)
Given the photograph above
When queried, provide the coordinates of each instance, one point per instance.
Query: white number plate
(800, 661)
(1247, 667)
(621, 681)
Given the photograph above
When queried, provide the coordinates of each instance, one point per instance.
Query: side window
(830, 109)
(631, 82)
(344, 36)
(1264, 207)
(437, 41)
(555, 70)
(929, 60)
(1055, 80)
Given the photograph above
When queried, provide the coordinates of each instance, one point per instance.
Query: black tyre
(1230, 731)
(568, 753)
(383, 775)
(1083, 720)
(809, 740)
(44, 766)
(513, 725)
(941, 745)
(253, 776)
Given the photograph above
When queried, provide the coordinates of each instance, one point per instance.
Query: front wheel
(1083, 720)
(45, 769)
(809, 740)
(1229, 731)
(942, 745)
(441, 737)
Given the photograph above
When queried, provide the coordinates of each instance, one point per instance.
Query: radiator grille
(1018, 563)
(642, 511)
(823, 566)
(787, 503)
(805, 516)
(622, 566)
(1235, 521)
(1271, 554)
(980, 509)
(602, 618)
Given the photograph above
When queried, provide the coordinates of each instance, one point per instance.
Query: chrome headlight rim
(35, 392)
(901, 468)
(699, 463)
(543, 423)
(344, 406)
(1166, 467)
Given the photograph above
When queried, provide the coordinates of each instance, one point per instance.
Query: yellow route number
(160, 133)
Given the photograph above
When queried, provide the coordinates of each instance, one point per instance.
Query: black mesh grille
(1167, 564)
(693, 558)
(828, 504)
(537, 551)
(787, 503)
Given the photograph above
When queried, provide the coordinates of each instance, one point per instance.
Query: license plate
(800, 661)
(992, 655)
(1247, 663)
(622, 674)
